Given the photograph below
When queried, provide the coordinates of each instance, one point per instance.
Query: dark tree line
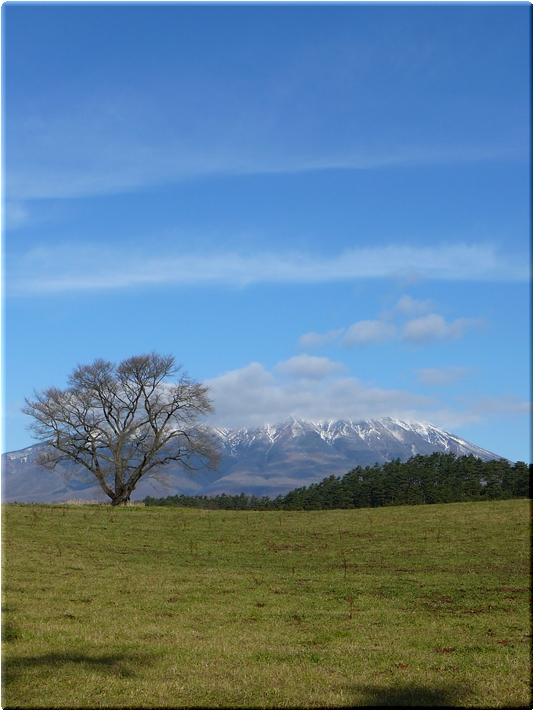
(424, 479)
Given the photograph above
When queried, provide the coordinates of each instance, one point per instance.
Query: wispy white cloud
(436, 377)
(316, 368)
(481, 409)
(107, 170)
(314, 340)
(417, 331)
(496, 406)
(95, 267)
(108, 145)
(317, 105)
(408, 305)
(369, 331)
(15, 215)
(434, 327)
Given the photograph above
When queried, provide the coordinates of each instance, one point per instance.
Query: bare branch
(123, 422)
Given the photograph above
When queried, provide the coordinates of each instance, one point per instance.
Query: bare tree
(125, 422)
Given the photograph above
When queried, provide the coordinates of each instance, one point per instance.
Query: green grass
(425, 607)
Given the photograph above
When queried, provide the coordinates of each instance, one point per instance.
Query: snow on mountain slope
(378, 434)
(270, 459)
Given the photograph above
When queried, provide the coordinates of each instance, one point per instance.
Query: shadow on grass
(116, 665)
(399, 697)
(9, 632)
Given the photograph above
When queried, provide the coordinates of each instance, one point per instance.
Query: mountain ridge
(268, 459)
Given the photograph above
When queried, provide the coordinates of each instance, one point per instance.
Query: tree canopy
(124, 422)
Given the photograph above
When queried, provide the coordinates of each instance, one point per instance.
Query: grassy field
(424, 607)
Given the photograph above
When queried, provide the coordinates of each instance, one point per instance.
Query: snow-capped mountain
(297, 452)
(381, 436)
(269, 459)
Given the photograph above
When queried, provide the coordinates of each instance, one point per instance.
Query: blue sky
(320, 210)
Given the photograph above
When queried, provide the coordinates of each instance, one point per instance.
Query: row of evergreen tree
(424, 479)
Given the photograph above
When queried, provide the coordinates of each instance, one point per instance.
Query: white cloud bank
(253, 395)
(96, 267)
(314, 390)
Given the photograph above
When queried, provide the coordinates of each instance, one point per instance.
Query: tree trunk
(122, 497)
